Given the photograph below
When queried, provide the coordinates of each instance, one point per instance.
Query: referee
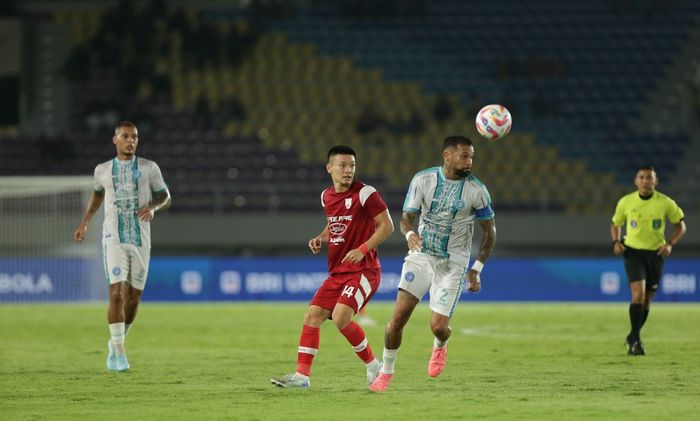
(644, 245)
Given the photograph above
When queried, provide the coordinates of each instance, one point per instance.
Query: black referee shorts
(644, 264)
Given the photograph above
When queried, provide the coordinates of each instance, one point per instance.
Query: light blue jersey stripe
(438, 191)
(125, 178)
(135, 175)
(445, 199)
(432, 236)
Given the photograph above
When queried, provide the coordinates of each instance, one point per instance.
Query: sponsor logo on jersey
(633, 223)
(337, 240)
(409, 277)
(337, 228)
(117, 271)
(348, 202)
(332, 219)
(458, 204)
(656, 224)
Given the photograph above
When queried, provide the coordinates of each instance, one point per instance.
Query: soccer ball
(493, 121)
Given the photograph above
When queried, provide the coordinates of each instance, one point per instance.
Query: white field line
(494, 332)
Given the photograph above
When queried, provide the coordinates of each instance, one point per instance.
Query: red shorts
(352, 289)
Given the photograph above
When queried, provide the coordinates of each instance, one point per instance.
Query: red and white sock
(357, 338)
(308, 347)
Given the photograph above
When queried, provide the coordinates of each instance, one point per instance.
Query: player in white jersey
(133, 189)
(449, 199)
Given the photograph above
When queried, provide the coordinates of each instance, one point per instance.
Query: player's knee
(116, 297)
(313, 319)
(638, 297)
(439, 328)
(308, 319)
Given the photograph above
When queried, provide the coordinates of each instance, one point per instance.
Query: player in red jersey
(358, 221)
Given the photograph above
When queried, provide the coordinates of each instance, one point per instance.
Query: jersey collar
(646, 198)
(129, 161)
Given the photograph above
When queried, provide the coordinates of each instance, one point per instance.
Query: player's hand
(414, 242)
(146, 214)
(474, 279)
(315, 245)
(618, 248)
(353, 256)
(79, 234)
(665, 250)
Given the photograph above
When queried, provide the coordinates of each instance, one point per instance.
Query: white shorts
(126, 263)
(442, 277)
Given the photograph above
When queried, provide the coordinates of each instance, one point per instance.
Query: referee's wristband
(408, 234)
(477, 266)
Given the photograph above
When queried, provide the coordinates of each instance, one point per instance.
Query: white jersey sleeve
(156, 179)
(482, 202)
(99, 186)
(416, 192)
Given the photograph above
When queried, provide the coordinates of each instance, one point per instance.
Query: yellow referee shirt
(646, 219)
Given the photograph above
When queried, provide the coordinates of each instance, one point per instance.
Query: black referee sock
(636, 314)
(645, 314)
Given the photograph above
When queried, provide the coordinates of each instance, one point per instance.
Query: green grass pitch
(506, 361)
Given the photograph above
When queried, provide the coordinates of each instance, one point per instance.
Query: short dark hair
(453, 141)
(124, 123)
(340, 150)
(646, 168)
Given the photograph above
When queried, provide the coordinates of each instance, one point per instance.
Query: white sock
(388, 359)
(437, 343)
(117, 332)
(373, 362)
